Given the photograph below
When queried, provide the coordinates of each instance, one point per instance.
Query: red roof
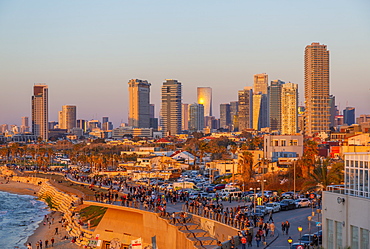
(163, 140)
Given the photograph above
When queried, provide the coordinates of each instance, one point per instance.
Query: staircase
(193, 232)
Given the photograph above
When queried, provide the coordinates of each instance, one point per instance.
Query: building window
(354, 237)
(338, 234)
(365, 238)
(330, 233)
(283, 142)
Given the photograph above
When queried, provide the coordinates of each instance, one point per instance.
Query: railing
(347, 190)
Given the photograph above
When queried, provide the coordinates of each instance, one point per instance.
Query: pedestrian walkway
(263, 244)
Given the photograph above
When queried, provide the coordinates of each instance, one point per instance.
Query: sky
(87, 51)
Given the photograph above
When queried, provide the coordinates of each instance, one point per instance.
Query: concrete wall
(127, 223)
(354, 211)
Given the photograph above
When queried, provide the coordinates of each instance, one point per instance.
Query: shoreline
(46, 229)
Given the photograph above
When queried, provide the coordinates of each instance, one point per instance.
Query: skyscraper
(349, 116)
(225, 117)
(289, 109)
(24, 127)
(260, 111)
(185, 117)
(317, 115)
(196, 117)
(40, 112)
(153, 119)
(333, 110)
(82, 124)
(245, 113)
(171, 107)
(274, 92)
(67, 117)
(139, 103)
(234, 111)
(260, 83)
(205, 98)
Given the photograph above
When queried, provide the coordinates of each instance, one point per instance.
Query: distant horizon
(86, 52)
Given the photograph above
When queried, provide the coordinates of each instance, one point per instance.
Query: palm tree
(307, 161)
(325, 174)
(245, 165)
(233, 149)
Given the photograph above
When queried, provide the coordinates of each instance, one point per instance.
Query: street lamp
(300, 233)
(254, 198)
(290, 241)
(309, 218)
(294, 176)
(262, 187)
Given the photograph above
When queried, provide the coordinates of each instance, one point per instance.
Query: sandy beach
(45, 231)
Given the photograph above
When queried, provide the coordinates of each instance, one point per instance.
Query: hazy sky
(86, 51)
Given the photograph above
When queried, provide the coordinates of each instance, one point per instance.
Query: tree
(245, 165)
(325, 174)
(307, 162)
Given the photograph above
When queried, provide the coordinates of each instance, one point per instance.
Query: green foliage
(93, 213)
(50, 203)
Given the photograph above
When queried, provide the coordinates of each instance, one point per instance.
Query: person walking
(243, 241)
(52, 242)
(272, 229)
(249, 239)
(287, 226)
(258, 238)
(283, 227)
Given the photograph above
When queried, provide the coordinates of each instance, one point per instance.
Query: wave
(20, 216)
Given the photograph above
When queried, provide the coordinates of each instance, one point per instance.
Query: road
(296, 218)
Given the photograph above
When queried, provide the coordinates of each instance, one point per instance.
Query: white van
(234, 192)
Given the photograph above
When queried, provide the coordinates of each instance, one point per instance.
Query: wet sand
(43, 232)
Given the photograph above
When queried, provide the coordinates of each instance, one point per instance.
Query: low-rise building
(282, 143)
(346, 208)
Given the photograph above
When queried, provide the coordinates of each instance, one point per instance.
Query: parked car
(258, 213)
(287, 195)
(298, 246)
(287, 204)
(263, 209)
(219, 187)
(302, 202)
(210, 188)
(306, 239)
(274, 206)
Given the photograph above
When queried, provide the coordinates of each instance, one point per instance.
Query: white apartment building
(346, 208)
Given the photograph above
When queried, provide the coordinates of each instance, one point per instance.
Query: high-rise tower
(139, 103)
(196, 117)
(289, 109)
(171, 107)
(67, 117)
(274, 92)
(349, 116)
(317, 114)
(185, 117)
(225, 117)
(260, 83)
(245, 113)
(205, 99)
(40, 112)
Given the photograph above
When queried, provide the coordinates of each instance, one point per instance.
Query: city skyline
(75, 50)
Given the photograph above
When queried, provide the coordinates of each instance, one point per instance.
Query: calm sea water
(20, 215)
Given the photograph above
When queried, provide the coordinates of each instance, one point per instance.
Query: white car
(274, 206)
(302, 202)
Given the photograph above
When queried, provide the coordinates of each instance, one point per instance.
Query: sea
(20, 215)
